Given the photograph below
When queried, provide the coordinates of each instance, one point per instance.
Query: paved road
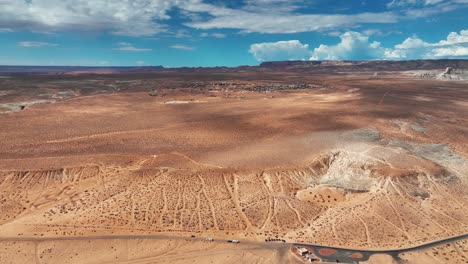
(333, 254)
(345, 255)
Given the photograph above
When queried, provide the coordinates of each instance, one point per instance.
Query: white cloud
(411, 48)
(147, 17)
(140, 62)
(455, 38)
(380, 32)
(30, 44)
(281, 50)
(276, 6)
(456, 45)
(121, 17)
(214, 35)
(287, 23)
(353, 46)
(357, 46)
(423, 8)
(451, 52)
(124, 46)
(182, 47)
(404, 3)
(181, 33)
(278, 16)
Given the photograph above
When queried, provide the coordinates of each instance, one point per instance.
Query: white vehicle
(210, 239)
(234, 241)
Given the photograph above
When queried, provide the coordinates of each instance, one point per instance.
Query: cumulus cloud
(182, 47)
(358, 46)
(353, 46)
(411, 48)
(124, 46)
(281, 50)
(454, 46)
(455, 38)
(30, 44)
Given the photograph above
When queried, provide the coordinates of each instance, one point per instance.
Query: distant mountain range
(384, 65)
(315, 66)
(56, 70)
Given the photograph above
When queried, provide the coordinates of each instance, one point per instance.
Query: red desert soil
(356, 161)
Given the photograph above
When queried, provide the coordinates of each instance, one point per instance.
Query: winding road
(346, 255)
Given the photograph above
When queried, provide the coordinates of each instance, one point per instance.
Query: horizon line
(223, 66)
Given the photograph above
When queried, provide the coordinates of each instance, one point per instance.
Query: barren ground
(356, 161)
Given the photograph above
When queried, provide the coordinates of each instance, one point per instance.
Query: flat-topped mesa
(377, 65)
(298, 63)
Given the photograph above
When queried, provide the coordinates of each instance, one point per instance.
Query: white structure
(302, 251)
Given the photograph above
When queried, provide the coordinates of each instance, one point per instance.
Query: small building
(302, 251)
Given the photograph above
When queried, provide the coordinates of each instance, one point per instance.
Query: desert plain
(90, 164)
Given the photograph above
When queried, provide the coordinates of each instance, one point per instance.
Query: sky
(192, 33)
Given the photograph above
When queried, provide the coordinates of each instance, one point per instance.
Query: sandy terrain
(358, 161)
(141, 251)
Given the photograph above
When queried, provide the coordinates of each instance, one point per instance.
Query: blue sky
(176, 33)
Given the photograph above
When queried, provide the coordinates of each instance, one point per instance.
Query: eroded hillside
(357, 161)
